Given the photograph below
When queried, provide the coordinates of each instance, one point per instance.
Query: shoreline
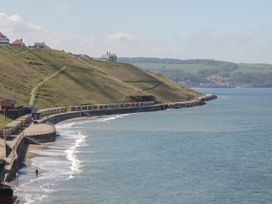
(78, 119)
(15, 183)
(90, 115)
(31, 153)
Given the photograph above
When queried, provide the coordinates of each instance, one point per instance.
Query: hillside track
(35, 89)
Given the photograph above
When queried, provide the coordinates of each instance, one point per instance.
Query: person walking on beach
(37, 172)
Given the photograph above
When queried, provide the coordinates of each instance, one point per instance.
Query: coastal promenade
(39, 129)
(43, 129)
(40, 133)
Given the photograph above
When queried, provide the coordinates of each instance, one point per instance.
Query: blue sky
(233, 30)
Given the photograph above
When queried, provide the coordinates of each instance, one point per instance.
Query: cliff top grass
(84, 80)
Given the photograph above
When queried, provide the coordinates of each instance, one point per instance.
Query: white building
(40, 45)
(109, 57)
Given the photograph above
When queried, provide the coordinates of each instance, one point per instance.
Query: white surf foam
(71, 153)
(111, 117)
(56, 163)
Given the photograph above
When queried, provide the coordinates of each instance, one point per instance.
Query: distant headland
(207, 73)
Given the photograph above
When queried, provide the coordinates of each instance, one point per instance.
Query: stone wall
(44, 138)
(18, 157)
(65, 116)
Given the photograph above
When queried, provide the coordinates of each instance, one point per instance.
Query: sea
(217, 153)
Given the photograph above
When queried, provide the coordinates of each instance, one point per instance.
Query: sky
(230, 30)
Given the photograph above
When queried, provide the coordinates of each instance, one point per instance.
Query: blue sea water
(218, 153)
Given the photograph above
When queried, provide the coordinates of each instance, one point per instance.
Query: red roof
(2, 36)
(18, 42)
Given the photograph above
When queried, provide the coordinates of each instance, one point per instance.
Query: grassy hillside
(84, 80)
(208, 72)
(4, 121)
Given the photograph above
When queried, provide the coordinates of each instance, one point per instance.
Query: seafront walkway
(39, 129)
(43, 130)
(32, 130)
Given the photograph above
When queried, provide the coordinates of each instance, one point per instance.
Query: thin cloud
(14, 23)
(120, 38)
(211, 37)
(73, 43)
(66, 5)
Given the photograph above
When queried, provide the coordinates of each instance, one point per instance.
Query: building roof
(3, 39)
(2, 36)
(18, 42)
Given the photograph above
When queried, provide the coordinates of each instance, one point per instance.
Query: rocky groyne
(200, 101)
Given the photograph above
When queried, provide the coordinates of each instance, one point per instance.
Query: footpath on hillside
(35, 89)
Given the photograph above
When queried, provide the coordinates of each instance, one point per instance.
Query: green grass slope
(84, 80)
(4, 121)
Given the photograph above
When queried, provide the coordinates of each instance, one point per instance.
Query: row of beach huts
(18, 125)
(15, 126)
(20, 119)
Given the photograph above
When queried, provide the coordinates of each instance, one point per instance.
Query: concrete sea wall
(15, 160)
(41, 138)
(18, 151)
(65, 116)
